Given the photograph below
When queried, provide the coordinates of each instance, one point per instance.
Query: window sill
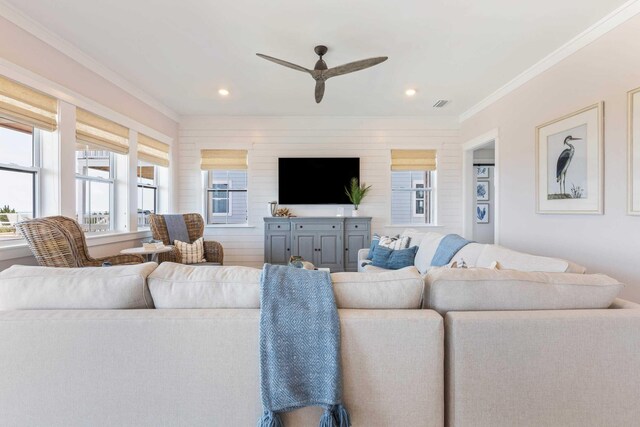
(229, 226)
(18, 248)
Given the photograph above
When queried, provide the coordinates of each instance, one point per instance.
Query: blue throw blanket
(299, 345)
(448, 247)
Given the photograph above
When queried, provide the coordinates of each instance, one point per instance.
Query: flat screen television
(315, 180)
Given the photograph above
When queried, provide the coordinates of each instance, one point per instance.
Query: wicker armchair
(58, 241)
(213, 251)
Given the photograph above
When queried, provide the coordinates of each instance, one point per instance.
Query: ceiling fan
(321, 72)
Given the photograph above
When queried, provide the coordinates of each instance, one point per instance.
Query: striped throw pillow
(191, 253)
(395, 243)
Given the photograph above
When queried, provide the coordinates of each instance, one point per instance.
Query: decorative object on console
(633, 136)
(482, 190)
(482, 213)
(321, 73)
(569, 163)
(284, 212)
(273, 207)
(58, 241)
(356, 192)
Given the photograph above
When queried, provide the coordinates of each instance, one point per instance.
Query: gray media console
(330, 242)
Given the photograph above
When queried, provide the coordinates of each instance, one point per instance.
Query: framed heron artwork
(569, 163)
(633, 122)
(482, 171)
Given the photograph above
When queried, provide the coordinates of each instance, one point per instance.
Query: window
(19, 169)
(226, 197)
(147, 192)
(412, 197)
(94, 189)
(413, 179)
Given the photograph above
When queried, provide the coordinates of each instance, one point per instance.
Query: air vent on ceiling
(440, 103)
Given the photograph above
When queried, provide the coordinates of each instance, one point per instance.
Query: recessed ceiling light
(223, 92)
(410, 92)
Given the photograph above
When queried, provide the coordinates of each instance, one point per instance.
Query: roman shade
(100, 133)
(223, 159)
(27, 106)
(413, 160)
(153, 151)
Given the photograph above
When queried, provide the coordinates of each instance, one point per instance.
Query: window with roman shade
(153, 151)
(226, 186)
(99, 133)
(413, 179)
(21, 104)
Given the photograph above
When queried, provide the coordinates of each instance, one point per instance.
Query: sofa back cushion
(512, 260)
(182, 286)
(52, 288)
(175, 285)
(399, 289)
(477, 289)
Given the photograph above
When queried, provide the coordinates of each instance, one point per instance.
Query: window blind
(413, 160)
(27, 106)
(223, 159)
(153, 151)
(100, 133)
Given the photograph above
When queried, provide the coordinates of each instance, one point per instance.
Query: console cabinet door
(355, 242)
(329, 254)
(305, 245)
(278, 247)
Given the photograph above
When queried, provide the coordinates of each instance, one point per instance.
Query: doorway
(481, 189)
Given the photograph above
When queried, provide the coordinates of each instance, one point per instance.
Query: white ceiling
(182, 52)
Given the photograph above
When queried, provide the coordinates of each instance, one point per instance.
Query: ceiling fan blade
(353, 66)
(284, 63)
(319, 90)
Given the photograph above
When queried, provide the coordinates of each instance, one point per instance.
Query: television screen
(315, 180)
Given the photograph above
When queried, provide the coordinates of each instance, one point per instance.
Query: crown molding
(595, 31)
(36, 29)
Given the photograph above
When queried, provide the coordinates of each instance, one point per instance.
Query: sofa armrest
(362, 254)
(548, 367)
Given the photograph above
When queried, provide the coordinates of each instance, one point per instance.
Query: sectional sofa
(193, 360)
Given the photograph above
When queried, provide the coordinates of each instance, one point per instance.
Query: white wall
(268, 138)
(602, 71)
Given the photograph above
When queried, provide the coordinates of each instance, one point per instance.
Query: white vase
(355, 212)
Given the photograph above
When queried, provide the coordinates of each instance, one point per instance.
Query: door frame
(467, 183)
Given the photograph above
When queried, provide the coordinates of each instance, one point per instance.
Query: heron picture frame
(570, 163)
(633, 135)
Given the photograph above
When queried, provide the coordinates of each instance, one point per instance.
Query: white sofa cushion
(512, 260)
(477, 289)
(182, 286)
(397, 289)
(426, 251)
(175, 285)
(49, 288)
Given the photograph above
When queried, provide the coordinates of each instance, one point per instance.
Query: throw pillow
(191, 253)
(394, 259)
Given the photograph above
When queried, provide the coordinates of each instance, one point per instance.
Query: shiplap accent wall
(267, 138)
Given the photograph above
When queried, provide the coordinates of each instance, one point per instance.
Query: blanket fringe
(327, 419)
(341, 416)
(270, 419)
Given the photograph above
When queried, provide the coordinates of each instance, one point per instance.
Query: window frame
(142, 186)
(35, 171)
(111, 181)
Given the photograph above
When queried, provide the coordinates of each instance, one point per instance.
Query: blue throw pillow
(372, 248)
(394, 260)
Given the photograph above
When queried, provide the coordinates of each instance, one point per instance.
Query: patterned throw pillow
(391, 242)
(191, 253)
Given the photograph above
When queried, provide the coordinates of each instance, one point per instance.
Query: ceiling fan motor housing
(320, 51)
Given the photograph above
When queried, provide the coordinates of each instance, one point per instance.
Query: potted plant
(356, 193)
